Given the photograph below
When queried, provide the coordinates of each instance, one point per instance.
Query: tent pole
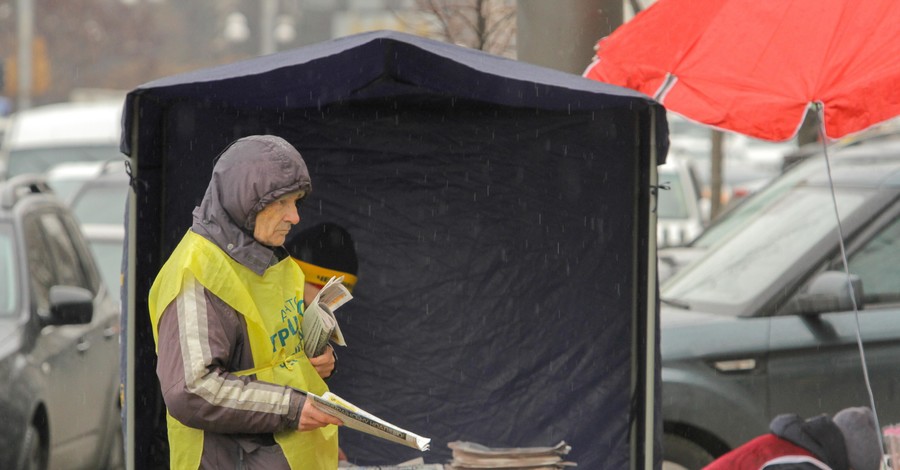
(650, 353)
(130, 293)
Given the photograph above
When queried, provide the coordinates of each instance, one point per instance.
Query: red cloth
(752, 455)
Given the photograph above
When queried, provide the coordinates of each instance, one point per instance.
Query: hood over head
(248, 175)
(818, 435)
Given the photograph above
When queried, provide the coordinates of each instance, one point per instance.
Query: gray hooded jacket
(202, 339)
(249, 174)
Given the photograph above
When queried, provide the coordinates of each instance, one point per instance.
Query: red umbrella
(754, 66)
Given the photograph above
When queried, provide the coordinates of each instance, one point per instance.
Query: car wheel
(33, 455)
(680, 453)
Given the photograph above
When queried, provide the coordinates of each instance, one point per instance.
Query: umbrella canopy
(754, 67)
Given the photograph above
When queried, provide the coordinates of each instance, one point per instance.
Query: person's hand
(324, 363)
(314, 418)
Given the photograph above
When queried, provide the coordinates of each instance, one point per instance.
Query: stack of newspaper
(469, 455)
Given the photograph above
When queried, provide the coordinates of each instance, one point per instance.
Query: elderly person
(226, 309)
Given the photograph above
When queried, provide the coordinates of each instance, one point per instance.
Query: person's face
(276, 219)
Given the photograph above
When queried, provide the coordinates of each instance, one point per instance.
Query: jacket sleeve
(201, 339)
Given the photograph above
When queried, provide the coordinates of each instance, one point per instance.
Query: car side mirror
(828, 292)
(69, 305)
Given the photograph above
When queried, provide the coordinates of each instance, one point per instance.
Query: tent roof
(380, 64)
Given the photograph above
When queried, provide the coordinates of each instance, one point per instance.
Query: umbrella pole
(862, 354)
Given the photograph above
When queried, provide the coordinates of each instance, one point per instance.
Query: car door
(815, 363)
(76, 401)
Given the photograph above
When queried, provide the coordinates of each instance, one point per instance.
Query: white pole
(24, 63)
(650, 372)
(267, 27)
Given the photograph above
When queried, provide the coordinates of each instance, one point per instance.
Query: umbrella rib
(666, 86)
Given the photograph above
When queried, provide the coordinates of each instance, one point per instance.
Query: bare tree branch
(487, 25)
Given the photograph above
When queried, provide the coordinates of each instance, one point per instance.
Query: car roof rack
(17, 187)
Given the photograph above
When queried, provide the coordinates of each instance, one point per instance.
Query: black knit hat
(324, 250)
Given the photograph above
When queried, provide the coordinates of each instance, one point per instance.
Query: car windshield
(39, 160)
(8, 291)
(743, 212)
(101, 204)
(743, 266)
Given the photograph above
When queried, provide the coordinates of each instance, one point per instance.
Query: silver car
(58, 339)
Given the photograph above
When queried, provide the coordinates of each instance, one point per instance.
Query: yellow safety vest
(272, 304)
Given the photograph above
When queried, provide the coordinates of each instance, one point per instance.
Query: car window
(9, 297)
(40, 266)
(66, 263)
(749, 262)
(742, 213)
(877, 265)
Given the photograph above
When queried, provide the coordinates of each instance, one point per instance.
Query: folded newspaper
(319, 323)
(355, 418)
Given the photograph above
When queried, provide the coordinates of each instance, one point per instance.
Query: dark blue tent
(501, 215)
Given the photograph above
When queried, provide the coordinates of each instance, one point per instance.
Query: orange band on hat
(321, 276)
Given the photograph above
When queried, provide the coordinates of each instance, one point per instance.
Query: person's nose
(293, 215)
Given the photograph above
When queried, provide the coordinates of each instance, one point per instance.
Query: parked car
(38, 138)
(58, 339)
(681, 215)
(764, 322)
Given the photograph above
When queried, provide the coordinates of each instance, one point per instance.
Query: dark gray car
(58, 339)
(763, 323)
